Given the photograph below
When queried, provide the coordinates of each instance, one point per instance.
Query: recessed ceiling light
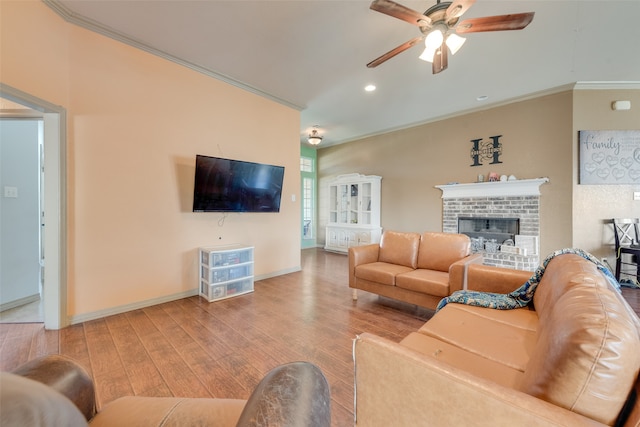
(482, 98)
(370, 88)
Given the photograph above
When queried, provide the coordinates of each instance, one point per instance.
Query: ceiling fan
(440, 28)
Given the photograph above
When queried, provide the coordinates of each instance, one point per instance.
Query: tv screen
(225, 185)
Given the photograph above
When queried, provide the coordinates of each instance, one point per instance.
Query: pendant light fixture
(314, 137)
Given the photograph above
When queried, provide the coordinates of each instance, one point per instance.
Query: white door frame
(55, 203)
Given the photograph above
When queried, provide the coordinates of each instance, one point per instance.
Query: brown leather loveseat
(410, 267)
(56, 391)
(570, 358)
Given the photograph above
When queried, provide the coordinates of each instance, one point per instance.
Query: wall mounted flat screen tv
(225, 185)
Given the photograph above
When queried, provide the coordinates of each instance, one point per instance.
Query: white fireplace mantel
(518, 187)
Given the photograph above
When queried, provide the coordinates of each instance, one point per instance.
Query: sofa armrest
(399, 386)
(290, 395)
(359, 255)
(487, 278)
(458, 272)
(66, 377)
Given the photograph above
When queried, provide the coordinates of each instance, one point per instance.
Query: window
(308, 185)
(306, 164)
(307, 208)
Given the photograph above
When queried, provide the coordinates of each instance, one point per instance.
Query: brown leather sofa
(55, 391)
(414, 268)
(570, 359)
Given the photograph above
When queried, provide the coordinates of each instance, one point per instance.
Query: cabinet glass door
(353, 204)
(344, 199)
(333, 203)
(365, 203)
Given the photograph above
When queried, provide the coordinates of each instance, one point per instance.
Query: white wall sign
(609, 156)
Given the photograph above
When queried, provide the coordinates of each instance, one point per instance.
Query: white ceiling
(311, 54)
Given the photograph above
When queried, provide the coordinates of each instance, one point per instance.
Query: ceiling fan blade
(394, 52)
(457, 8)
(399, 11)
(495, 23)
(440, 59)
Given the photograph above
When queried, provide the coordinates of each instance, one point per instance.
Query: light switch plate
(636, 195)
(11, 192)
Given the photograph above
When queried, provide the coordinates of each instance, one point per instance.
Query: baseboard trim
(73, 320)
(19, 302)
(278, 273)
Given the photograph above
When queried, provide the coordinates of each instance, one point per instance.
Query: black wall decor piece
(486, 150)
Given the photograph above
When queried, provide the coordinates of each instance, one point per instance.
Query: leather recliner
(54, 390)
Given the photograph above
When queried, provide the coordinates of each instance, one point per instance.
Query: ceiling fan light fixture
(433, 42)
(434, 39)
(455, 42)
(314, 138)
(440, 25)
(428, 54)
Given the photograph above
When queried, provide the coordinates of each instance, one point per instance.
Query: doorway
(20, 219)
(54, 242)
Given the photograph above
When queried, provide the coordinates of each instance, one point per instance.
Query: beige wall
(135, 123)
(537, 142)
(595, 204)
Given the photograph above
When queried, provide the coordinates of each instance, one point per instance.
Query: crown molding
(489, 106)
(607, 85)
(583, 85)
(106, 31)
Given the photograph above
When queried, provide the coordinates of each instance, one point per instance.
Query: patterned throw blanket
(524, 294)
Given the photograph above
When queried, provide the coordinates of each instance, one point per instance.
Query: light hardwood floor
(194, 348)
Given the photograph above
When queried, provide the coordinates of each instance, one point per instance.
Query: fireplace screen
(498, 229)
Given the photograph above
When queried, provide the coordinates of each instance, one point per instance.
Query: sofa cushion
(479, 333)
(426, 281)
(470, 362)
(525, 318)
(381, 272)
(399, 248)
(489, 278)
(588, 352)
(438, 251)
(169, 411)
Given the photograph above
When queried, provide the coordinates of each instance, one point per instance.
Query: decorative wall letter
(485, 150)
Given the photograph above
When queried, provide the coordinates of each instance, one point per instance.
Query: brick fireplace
(514, 200)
